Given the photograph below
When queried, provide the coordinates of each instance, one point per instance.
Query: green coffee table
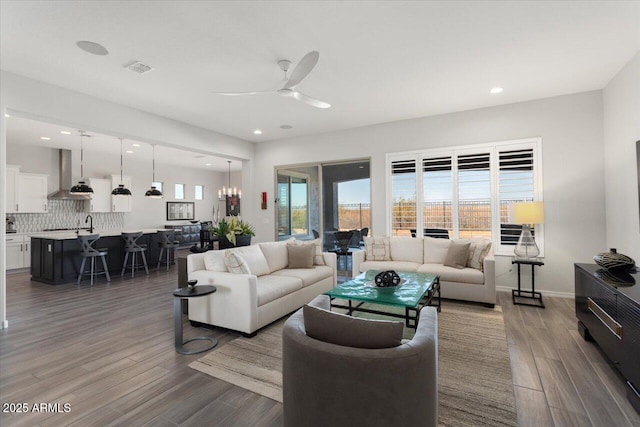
(416, 291)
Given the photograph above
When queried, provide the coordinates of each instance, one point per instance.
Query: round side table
(178, 296)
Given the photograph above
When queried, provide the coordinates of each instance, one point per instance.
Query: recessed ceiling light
(496, 90)
(207, 164)
(91, 47)
(286, 127)
(45, 138)
(136, 145)
(129, 151)
(65, 132)
(6, 115)
(257, 132)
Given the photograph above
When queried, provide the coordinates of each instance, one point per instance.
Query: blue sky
(349, 192)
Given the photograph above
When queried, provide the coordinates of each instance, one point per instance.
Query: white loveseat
(427, 255)
(247, 302)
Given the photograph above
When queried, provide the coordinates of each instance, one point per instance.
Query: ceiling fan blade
(311, 101)
(242, 93)
(303, 68)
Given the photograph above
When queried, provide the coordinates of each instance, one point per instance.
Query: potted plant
(232, 233)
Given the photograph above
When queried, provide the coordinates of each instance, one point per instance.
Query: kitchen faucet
(89, 217)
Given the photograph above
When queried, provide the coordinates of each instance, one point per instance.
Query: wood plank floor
(107, 350)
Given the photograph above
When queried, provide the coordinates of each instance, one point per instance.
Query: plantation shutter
(474, 195)
(437, 187)
(403, 196)
(516, 184)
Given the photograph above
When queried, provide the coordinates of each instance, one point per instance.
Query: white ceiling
(28, 132)
(379, 61)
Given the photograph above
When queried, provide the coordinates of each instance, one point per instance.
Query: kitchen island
(55, 256)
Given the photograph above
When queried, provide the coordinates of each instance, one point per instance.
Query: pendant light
(121, 190)
(81, 187)
(229, 191)
(153, 193)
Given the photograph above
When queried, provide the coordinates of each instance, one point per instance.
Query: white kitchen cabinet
(101, 197)
(18, 251)
(120, 203)
(11, 195)
(32, 193)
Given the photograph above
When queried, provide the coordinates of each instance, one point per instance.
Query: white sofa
(427, 255)
(247, 302)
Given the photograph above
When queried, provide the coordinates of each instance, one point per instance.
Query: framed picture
(233, 205)
(177, 211)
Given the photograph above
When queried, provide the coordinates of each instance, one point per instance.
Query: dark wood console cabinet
(608, 311)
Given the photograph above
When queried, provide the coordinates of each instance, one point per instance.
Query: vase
(612, 260)
(243, 240)
(224, 243)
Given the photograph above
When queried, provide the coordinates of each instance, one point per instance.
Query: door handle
(20, 247)
(17, 208)
(26, 246)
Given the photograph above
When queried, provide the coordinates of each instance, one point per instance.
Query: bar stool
(88, 251)
(167, 241)
(131, 247)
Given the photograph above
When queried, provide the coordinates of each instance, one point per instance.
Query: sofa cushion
(450, 274)
(478, 251)
(309, 276)
(457, 255)
(214, 261)
(301, 256)
(406, 249)
(254, 257)
(318, 258)
(377, 248)
(339, 329)
(235, 263)
(435, 250)
(270, 287)
(276, 254)
(389, 265)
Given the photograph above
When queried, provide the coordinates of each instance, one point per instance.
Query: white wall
(41, 101)
(621, 131)
(573, 171)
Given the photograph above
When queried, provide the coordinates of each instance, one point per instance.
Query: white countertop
(71, 235)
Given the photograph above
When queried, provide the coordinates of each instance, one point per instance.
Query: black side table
(178, 296)
(532, 294)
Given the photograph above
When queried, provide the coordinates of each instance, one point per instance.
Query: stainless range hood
(66, 180)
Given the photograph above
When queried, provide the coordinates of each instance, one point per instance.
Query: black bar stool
(88, 251)
(167, 241)
(131, 247)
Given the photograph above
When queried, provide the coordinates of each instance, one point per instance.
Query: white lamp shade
(526, 213)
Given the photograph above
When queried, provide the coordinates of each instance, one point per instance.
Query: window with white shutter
(465, 191)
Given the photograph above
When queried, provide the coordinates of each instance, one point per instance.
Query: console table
(608, 311)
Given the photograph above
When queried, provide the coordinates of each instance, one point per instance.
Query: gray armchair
(331, 385)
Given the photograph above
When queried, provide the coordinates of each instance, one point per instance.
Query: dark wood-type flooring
(107, 350)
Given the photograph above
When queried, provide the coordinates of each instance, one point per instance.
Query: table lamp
(526, 214)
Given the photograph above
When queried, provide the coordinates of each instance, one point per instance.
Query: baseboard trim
(550, 293)
(5, 324)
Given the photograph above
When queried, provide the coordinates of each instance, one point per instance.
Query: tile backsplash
(66, 214)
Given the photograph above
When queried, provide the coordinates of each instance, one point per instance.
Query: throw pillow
(318, 258)
(377, 248)
(235, 263)
(457, 255)
(254, 258)
(340, 329)
(301, 256)
(478, 251)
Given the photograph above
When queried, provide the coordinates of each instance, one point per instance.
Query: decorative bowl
(614, 261)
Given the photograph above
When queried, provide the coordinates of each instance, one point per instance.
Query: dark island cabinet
(608, 312)
(57, 261)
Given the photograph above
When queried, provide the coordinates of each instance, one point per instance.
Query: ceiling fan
(301, 71)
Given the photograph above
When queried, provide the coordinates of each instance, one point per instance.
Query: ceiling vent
(138, 67)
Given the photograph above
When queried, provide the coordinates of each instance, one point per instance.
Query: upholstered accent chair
(325, 384)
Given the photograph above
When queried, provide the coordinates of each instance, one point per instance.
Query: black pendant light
(81, 187)
(121, 190)
(153, 193)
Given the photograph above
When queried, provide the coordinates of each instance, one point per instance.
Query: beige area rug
(475, 384)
